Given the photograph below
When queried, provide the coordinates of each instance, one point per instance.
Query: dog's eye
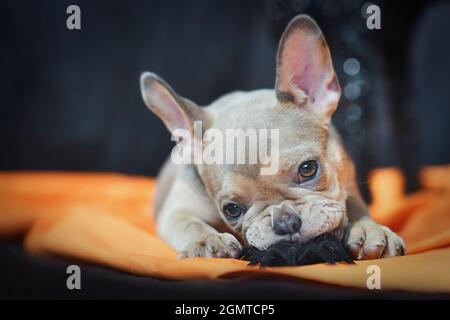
(233, 210)
(307, 170)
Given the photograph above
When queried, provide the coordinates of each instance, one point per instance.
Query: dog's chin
(318, 217)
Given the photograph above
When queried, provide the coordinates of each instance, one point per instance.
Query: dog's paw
(366, 239)
(218, 245)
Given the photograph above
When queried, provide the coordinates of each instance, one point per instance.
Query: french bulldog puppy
(210, 210)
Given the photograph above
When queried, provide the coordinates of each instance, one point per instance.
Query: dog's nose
(286, 223)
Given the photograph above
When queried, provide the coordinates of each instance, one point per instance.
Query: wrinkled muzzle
(289, 221)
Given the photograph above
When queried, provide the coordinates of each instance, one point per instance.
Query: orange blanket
(107, 219)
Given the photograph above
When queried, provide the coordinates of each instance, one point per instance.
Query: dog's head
(304, 197)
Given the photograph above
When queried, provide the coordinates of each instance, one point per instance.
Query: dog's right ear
(175, 111)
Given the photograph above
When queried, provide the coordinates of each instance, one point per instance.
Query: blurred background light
(351, 66)
(353, 111)
(352, 91)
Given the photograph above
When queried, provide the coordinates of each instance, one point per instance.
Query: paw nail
(373, 251)
(354, 249)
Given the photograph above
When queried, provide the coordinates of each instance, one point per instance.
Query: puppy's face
(304, 197)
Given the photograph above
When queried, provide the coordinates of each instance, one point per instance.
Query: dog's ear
(305, 74)
(175, 111)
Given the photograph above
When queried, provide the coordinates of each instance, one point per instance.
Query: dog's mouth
(318, 217)
(261, 235)
(294, 237)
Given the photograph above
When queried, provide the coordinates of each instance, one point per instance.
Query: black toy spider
(324, 248)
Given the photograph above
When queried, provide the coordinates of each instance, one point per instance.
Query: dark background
(70, 100)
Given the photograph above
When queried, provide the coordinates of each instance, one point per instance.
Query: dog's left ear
(305, 74)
